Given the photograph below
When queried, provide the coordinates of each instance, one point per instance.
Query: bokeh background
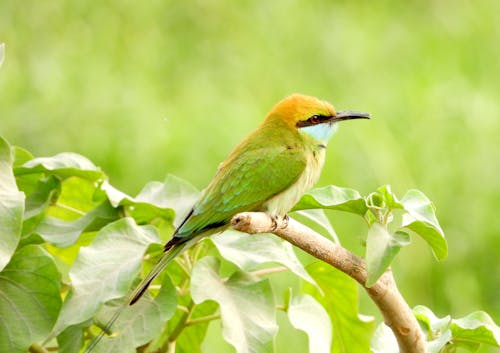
(150, 88)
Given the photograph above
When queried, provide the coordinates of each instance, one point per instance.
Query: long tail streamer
(137, 293)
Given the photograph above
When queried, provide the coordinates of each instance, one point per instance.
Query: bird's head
(312, 116)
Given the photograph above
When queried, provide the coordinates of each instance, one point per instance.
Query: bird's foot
(285, 220)
(276, 221)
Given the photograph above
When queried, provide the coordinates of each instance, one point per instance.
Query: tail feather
(106, 330)
(168, 256)
(138, 292)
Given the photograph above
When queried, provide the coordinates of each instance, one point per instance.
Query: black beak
(348, 115)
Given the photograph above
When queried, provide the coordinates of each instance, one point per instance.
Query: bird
(268, 171)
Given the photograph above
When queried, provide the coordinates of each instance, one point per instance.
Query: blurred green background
(145, 89)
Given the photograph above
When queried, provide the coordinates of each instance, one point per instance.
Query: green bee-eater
(268, 171)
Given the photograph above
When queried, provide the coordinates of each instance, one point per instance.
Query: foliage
(73, 246)
(444, 335)
(165, 87)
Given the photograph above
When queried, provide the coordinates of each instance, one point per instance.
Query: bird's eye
(315, 119)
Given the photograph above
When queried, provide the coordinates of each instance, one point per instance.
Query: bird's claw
(275, 220)
(285, 221)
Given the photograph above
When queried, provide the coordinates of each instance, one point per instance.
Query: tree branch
(385, 294)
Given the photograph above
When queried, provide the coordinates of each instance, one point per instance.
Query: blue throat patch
(320, 132)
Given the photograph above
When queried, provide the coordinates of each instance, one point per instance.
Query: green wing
(244, 183)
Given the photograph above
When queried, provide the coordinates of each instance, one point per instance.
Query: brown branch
(385, 294)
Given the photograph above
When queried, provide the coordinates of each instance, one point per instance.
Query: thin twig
(69, 208)
(36, 348)
(268, 271)
(186, 316)
(183, 308)
(202, 319)
(385, 294)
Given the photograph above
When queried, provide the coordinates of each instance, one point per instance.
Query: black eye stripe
(313, 120)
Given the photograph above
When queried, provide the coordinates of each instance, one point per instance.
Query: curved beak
(348, 115)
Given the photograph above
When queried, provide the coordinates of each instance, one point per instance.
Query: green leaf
(29, 299)
(174, 193)
(375, 201)
(63, 234)
(11, 206)
(383, 340)
(39, 200)
(381, 248)
(468, 332)
(156, 200)
(105, 269)
(192, 336)
(477, 327)
(319, 217)
(114, 195)
(307, 315)
(246, 304)
(433, 325)
(142, 212)
(26, 183)
(441, 341)
(63, 165)
(389, 198)
(21, 156)
(340, 299)
(421, 218)
(333, 198)
(438, 333)
(140, 323)
(248, 252)
(381, 203)
(71, 339)
(78, 196)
